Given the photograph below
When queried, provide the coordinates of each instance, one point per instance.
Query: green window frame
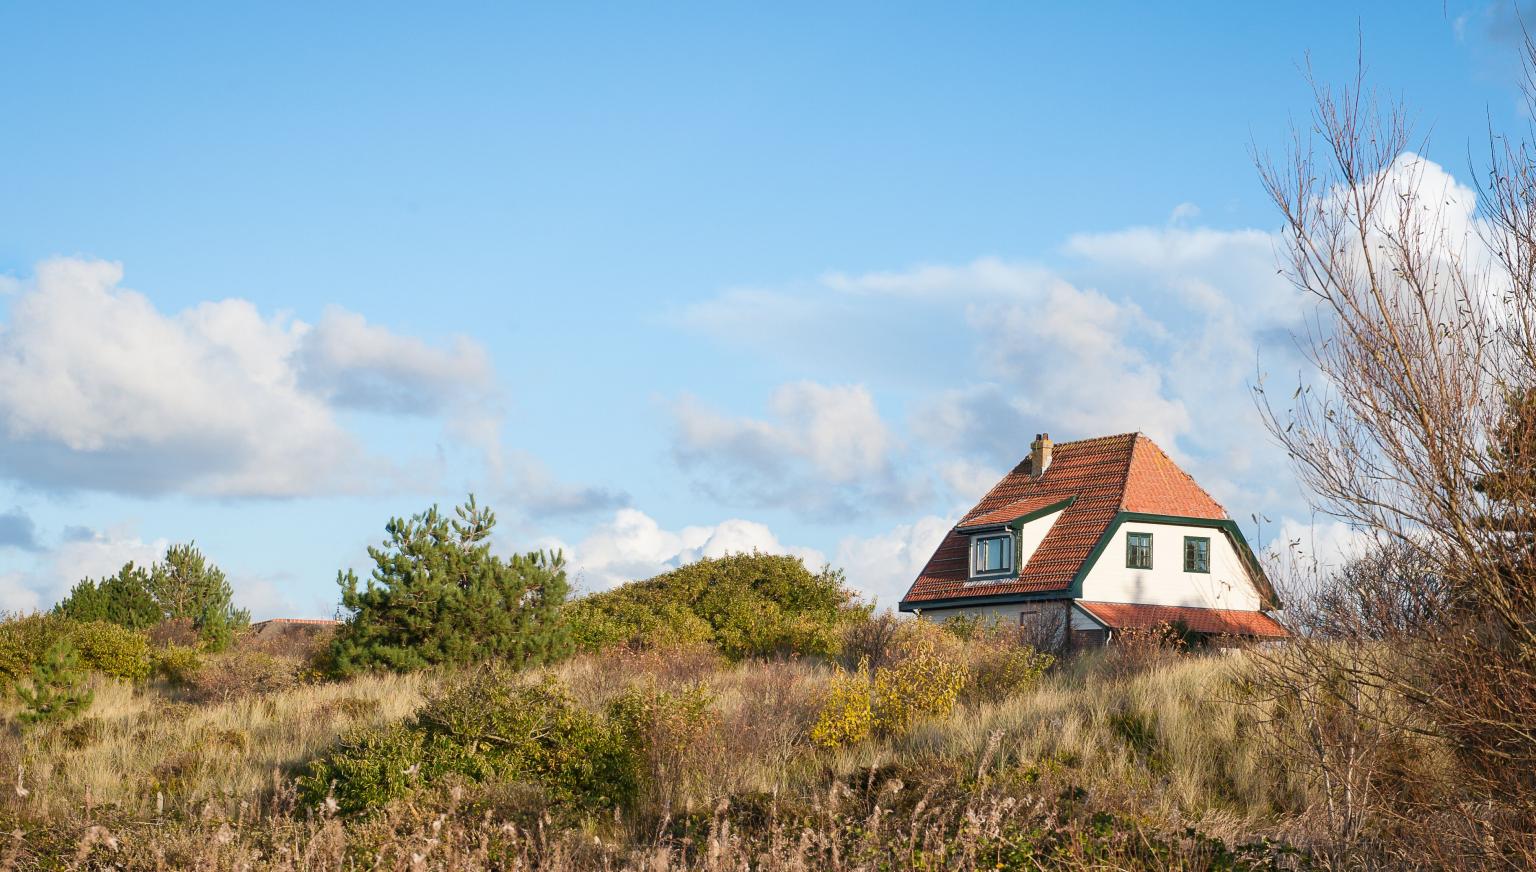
(1197, 554)
(1138, 550)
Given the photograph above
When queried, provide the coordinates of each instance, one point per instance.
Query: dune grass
(1163, 747)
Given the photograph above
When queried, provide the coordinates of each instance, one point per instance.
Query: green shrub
(747, 605)
(670, 731)
(176, 663)
(847, 715)
(484, 727)
(438, 595)
(368, 767)
(114, 651)
(924, 685)
(109, 649)
(185, 586)
(999, 667)
(22, 639)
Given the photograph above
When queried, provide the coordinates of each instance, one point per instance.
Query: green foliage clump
(122, 599)
(999, 666)
(747, 605)
(109, 649)
(185, 586)
(669, 730)
(847, 715)
(438, 595)
(56, 690)
(485, 727)
(890, 701)
(112, 650)
(176, 663)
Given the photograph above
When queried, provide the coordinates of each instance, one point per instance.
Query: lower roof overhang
(997, 599)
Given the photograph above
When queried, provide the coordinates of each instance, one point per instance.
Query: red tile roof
(1227, 622)
(1105, 476)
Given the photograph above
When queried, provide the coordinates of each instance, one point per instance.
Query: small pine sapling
(56, 691)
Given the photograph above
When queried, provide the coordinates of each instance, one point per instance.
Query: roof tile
(1228, 622)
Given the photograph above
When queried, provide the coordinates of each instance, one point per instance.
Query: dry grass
(150, 750)
(159, 781)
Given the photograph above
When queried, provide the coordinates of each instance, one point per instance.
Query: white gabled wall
(1033, 533)
(1227, 586)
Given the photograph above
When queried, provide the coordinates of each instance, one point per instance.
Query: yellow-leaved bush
(925, 684)
(847, 715)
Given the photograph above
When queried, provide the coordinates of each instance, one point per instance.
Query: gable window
(1197, 554)
(992, 554)
(1138, 550)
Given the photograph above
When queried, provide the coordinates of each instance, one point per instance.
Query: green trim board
(996, 599)
(1021, 520)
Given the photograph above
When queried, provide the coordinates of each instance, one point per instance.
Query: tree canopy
(184, 586)
(438, 595)
(745, 604)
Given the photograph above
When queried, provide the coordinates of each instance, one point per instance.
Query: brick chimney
(1040, 454)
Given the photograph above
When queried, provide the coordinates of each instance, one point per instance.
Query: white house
(1088, 538)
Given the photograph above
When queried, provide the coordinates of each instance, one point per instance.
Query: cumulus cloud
(81, 553)
(100, 390)
(359, 365)
(16, 595)
(824, 450)
(531, 484)
(632, 546)
(883, 566)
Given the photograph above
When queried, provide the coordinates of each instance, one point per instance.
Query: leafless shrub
(241, 673)
(1417, 424)
(872, 641)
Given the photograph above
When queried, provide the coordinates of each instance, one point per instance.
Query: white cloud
(100, 390)
(530, 483)
(264, 599)
(826, 450)
(1158, 330)
(82, 553)
(99, 553)
(883, 566)
(634, 546)
(359, 365)
(16, 595)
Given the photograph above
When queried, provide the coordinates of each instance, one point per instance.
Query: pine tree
(123, 599)
(438, 595)
(57, 690)
(184, 586)
(187, 586)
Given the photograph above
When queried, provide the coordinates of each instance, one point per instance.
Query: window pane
(993, 554)
(1138, 550)
(1197, 554)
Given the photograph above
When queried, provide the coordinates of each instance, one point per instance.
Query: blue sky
(654, 282)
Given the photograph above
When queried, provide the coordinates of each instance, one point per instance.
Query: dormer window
(991, 554)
